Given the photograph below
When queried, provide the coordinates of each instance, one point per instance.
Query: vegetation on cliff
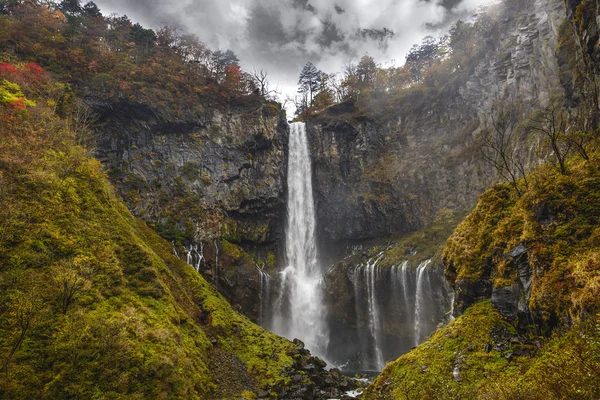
(481, 356)
(93, 302)
(115, 60)
(554, 353)
(132, 95)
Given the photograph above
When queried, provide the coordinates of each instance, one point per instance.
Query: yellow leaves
(11, 92)
(586, 272)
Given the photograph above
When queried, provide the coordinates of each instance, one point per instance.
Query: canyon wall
(213, 184)
(381, 172)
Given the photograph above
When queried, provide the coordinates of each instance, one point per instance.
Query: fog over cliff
(280, 36)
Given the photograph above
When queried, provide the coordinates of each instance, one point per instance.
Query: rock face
(211, 176)
(511, 294)
(512, 300)
(378, 311)
(375, 176)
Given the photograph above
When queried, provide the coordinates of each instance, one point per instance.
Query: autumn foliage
(111, 58)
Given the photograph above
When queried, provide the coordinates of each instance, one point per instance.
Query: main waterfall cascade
(395, 308)
(299, 309)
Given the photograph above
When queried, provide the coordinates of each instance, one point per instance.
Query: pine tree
(71, 8)
(310, 82)
(91, 9)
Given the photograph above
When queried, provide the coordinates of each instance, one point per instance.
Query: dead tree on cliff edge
(499, 149)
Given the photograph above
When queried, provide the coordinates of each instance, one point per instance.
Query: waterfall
(300, 312)
(375, 323)
(264, 293)
(396, 307)
(422, 291)
(194, 255)
(216, 276)
(404, 278)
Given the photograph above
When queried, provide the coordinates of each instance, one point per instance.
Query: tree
(233, 78)
(366, 71)
(23, 309)
(143, 37)
(119, 34)
(81, 122)
(193, 50)
(499, 147)
(261, 81)
(337, 87)
(421, 57)
(220, 60)
(91, 10)
(551, 122)
(71, 8)
(6, 4)
(70, 278)
(309, 82)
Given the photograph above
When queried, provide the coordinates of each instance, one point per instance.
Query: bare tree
(498, 146)
(339, 90)
(581, 132)
(70, 279)
(81, 123)
(261, 80)
(23, 310)
(552, 122)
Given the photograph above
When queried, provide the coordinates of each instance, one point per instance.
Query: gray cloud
(282, 35)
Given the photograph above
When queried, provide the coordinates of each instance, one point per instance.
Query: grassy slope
(140, 324)
(557, 220)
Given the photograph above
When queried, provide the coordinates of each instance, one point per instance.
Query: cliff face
(512, 292)
(218, 175)
(226, 165)
(377, 174)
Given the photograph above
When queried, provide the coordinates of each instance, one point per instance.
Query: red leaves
(34, 71)
(27, 75)
(8, 70)
(124, 85)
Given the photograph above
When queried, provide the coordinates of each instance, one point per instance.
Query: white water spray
(375, 323)
(422, 278)
(264, 294)
(300, 310)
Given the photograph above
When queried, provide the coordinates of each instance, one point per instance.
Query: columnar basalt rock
(220, 175)
(375, 175)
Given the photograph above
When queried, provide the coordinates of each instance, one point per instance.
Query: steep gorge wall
(512, 297)
(375, 176)
(213, 181)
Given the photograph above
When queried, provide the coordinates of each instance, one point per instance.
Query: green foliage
(92, 302)
(11, 92)
(556, 219)
(425, 244)
(493, 363)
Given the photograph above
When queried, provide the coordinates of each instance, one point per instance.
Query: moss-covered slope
(533, 261)
(92, 302)
(481, 356)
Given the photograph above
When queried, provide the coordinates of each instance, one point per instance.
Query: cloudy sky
(280, 36)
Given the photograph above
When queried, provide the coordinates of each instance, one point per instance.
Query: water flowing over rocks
(299, 310)
(378, 312)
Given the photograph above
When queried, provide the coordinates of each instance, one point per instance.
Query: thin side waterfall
(422, 281)
(396, 308)
(405, 288)
(300, 312)
(194, 255)
(265, 293)
(375, 323)
(216, 275)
